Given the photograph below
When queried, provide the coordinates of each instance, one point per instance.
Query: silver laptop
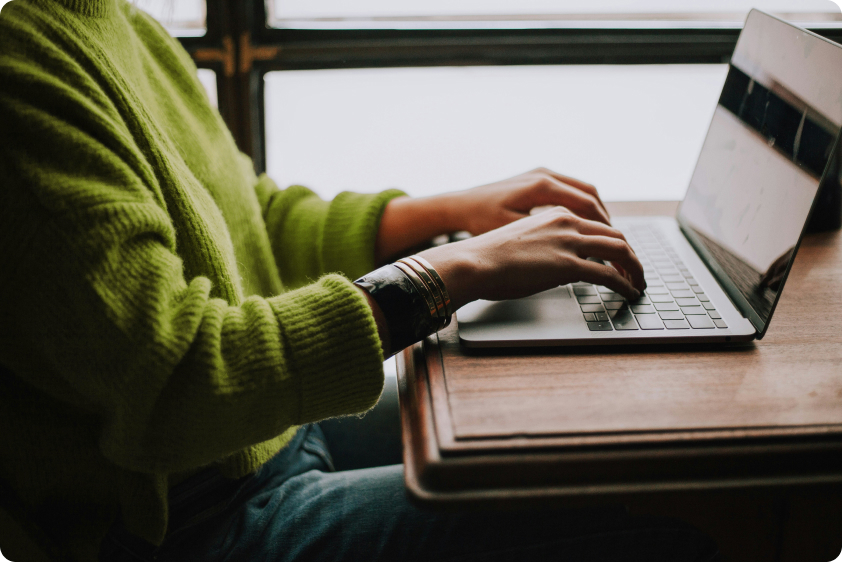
(714, 273)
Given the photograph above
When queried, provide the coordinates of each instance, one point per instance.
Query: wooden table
(745, 436)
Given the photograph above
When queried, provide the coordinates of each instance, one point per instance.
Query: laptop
(715, 271)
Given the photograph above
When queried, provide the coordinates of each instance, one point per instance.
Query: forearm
(408, 222)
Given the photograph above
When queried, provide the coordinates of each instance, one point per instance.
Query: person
(174, 327)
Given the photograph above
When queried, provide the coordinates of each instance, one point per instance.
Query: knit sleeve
(311, 237)
(98, 314)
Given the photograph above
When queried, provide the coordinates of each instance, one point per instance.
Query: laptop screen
(765, 153)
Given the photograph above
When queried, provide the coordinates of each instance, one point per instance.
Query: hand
(534, 254)
(491, 206)
(408, 222)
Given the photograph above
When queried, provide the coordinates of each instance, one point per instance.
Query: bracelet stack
(412, 297)
(431, 287)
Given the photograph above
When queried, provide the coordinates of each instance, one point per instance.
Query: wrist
(407, 300)
(459, 272)
(447, 211)
(436, 214)
(407, 223)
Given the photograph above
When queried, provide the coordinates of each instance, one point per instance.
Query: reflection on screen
(768, 145)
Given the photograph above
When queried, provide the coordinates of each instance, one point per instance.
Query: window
(208, 79)
(634, 131)
(461, 14)
(184, 18)
(310, 89)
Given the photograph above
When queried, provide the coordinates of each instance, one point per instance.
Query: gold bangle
(419, 285)
(437, 278)
(431, 285)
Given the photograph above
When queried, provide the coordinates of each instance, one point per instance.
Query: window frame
(241, 48)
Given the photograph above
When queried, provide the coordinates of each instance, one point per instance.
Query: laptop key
(660, 298)
(672, 279)
(691, 281)
(677, 324)
(684, 294)
(591, 308)
(612, 297)
(657, 291)
(601, 316)
(720, 323)
(693, 310)
(700, 322)
(671, 315)
(696, 289)
(615, 305)
(600, 326)
(709, 306)
(665, 306)
(678, 286)
(590, 317)
(582, 291)
(687, 302)
(623, 320)
(650, 322)
(589, 299)
(703, 297)
(714, 314)
(643, 309)
(604, 290)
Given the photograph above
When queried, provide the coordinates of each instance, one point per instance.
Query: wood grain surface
(743, 442)
(788, 383)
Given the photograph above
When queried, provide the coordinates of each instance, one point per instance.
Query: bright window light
(208, 79)
(182, 18)
(540, 13)
(633, 131)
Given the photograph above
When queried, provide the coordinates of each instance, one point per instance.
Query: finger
(607, 276)
(578, 184)
(581, 203)
(599, 229)
(617, 252)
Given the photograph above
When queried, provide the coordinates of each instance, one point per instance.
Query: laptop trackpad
(554, 307)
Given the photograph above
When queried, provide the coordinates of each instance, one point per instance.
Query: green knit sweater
(144, 327)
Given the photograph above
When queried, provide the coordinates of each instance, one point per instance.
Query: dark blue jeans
(297, 508)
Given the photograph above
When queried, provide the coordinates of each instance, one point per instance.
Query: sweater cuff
(351, 231)
(333, 347)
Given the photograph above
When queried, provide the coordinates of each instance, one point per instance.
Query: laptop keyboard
(673, 299)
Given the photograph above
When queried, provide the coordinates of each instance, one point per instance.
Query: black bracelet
(406, 311)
